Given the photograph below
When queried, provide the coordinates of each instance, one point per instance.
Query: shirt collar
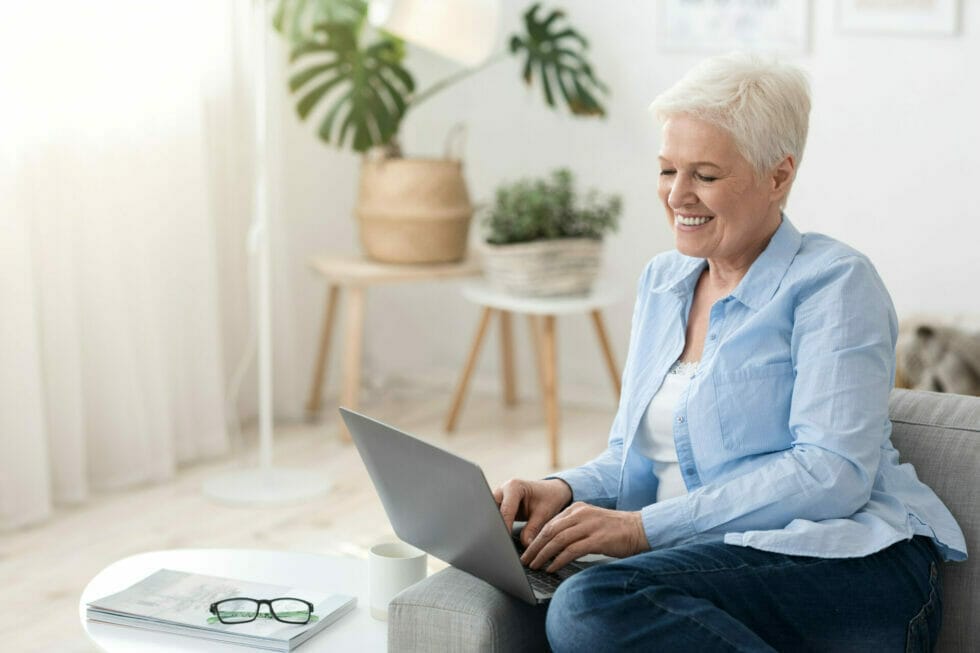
(761, 281)
(683, 278)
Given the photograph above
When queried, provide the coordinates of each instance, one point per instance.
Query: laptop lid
(440, 503)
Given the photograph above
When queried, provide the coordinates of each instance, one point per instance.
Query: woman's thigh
(728, 598)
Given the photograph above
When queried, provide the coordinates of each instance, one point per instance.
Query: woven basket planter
(413, 210)
(543, 268)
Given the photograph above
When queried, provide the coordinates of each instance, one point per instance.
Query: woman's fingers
(511, 495)
(575, 550)
(554, 537)
(535, 523)
(568, 540)
(581, 529)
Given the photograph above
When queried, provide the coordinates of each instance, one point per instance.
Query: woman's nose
(681, 192)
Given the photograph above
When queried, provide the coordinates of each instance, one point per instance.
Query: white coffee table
(355, 631)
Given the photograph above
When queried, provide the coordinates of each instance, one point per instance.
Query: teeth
(690, 221)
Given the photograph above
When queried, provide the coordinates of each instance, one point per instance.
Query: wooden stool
(353, 274)
(543, 309)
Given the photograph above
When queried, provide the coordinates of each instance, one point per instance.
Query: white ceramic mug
(392, 566)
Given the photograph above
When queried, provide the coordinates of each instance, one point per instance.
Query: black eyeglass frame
(258, 607)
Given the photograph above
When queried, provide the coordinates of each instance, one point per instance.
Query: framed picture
(939, 17)
(772, 26)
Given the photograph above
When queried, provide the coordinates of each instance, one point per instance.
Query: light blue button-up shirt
(783, 435)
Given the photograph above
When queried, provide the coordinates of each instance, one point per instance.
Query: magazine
(178, 602)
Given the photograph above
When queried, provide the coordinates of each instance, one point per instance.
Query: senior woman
(749, 484)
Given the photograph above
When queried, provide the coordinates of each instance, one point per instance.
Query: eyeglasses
(240, 610)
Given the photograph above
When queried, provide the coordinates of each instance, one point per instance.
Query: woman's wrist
(565, 488)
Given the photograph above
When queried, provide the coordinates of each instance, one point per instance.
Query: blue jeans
(718, 597)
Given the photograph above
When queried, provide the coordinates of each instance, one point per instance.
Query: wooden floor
(43, 570)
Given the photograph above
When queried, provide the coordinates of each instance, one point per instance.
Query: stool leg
(354, 333)
(507, 359)
(550, 384)
(607, 352)
(467, 371)
(316, 388)
(532, 324)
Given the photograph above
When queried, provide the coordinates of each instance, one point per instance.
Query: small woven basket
(413, 210)
(543, 268)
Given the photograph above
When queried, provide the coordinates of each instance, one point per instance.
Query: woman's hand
(581, 529)
(533, 501)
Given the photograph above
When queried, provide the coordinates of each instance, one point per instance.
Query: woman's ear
(782, 177)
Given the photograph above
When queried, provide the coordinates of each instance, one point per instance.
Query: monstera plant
(361, 77)
(354, 80)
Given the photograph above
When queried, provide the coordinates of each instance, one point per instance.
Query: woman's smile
(686, 222)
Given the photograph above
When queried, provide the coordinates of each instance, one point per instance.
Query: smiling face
(717, 206)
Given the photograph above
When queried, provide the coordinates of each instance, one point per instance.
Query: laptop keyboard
(543, 581)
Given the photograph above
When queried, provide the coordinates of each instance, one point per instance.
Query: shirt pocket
(753, 407)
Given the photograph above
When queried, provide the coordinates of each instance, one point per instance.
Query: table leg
(354, 334)
(532, 324)
(507, 359)
(607, 352)
(316, 388)
(550, 384)
(468, 370)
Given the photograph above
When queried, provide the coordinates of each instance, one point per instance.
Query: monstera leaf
(366, 89)
(296, 19)
(555, 53)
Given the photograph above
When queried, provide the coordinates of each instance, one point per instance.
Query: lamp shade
(462, 30)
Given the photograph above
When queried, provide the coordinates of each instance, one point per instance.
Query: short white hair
(763, 104)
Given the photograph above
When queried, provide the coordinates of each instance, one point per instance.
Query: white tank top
(655, 435)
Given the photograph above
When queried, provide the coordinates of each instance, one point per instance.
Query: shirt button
(680, 420)
(713, 336)
(689, 471)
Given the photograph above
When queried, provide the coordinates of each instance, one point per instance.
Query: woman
(749, 484)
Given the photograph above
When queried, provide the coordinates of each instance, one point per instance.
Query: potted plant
(543, 240)
(411, 210)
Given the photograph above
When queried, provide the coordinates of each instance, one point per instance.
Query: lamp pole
(265, 484)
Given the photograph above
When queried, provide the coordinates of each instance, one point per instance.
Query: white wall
(892, 166)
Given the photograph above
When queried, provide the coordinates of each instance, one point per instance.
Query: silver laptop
(443, 505)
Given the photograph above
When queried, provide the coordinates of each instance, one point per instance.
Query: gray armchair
(938, 433)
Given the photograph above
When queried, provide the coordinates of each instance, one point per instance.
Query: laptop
(442, 504)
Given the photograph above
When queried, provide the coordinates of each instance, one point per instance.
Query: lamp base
(266, 486)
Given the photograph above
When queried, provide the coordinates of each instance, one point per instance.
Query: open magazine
(178, 602)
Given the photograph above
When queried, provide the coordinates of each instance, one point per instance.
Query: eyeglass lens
(291, 611)
(236, 611)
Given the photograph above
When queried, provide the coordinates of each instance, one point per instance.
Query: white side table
(355, 631)
(544, 338)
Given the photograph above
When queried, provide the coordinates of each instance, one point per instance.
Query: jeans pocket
(924, 627)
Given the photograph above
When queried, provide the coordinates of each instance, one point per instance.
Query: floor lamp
(462, 30)
(265, 484)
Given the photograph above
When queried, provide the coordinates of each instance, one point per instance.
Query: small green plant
(538, 209)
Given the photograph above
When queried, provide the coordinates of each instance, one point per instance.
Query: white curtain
(124, 194)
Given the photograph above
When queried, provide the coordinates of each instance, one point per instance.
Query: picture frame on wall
(717, 26)
(922, 17)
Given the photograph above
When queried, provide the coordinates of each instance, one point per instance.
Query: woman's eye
(667, 173)
(706, 178)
